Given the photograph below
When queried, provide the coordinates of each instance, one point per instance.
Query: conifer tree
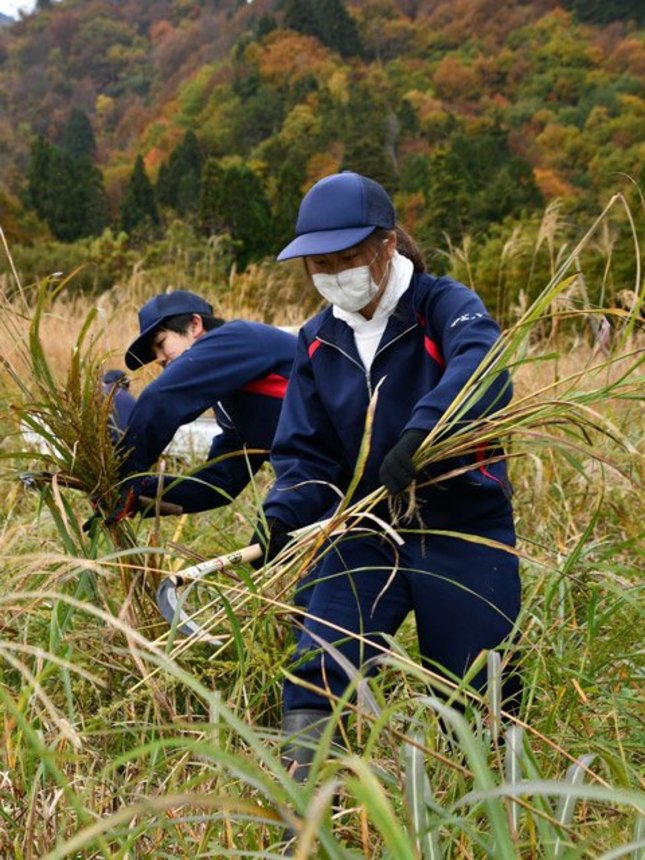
(179, 178)
(473, 182)
(38, 177)
(78, 136)
(209, 196)
(601, 12)
(326, 20)
(291, 178)
(339, 29)
(67, 192)
(139, 208)
(366, 138)
(233, 201)
(301, 16)
(266, 24)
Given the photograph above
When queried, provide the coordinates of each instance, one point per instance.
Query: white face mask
(351, 289)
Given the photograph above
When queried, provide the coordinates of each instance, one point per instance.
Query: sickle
(169, 600)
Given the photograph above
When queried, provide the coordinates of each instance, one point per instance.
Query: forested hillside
(211, 116)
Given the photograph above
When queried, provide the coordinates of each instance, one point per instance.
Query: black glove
(273, 535)
(126, 505)
(397, 470)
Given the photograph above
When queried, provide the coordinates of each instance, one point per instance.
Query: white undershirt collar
(368, 333)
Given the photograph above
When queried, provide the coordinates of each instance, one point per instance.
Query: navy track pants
(465, 597)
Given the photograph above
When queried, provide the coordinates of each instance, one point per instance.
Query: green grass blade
(417, 795)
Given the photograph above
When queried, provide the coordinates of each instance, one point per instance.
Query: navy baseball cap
(337, 212)
(155, 312)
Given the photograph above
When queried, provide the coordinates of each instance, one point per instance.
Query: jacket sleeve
(228, 470)
(213, 368)
(307, 454)
(464, 332)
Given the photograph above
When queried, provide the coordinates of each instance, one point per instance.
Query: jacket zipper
(353, 361)
(367, 373)
(389, 343)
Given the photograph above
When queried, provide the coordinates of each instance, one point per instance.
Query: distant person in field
(116, 385)
(238, 368)
(418, 339)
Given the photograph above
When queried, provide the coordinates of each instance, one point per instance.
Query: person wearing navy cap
(239, 369)
(419, 339)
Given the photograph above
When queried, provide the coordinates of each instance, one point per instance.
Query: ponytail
(405, 245)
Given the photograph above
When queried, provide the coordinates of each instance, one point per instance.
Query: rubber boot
(302, 730)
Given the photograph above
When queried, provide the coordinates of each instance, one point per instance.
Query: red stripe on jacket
(273, 385)
(480, 456)
(313, 346)
(433, 351)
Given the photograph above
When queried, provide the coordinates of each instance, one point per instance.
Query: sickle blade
(169, 604)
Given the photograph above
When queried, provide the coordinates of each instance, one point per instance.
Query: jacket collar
(402, 319)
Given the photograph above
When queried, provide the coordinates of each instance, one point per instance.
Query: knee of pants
(315, 667)
(348, 607)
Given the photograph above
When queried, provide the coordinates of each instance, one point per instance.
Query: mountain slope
(471, 111)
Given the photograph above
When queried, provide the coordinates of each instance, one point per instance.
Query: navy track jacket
(434, 341)
(240, 370)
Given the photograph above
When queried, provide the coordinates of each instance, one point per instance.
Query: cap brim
(139, 352)
(324, 242)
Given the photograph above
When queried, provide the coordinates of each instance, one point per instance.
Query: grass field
(122, 740)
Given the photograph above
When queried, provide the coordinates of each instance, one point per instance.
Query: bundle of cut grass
(67, 412)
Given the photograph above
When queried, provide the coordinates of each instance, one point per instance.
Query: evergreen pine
(139, 208)
(179, 178)
(301, 16)
(78, 136)
(233, 201)
(291, 178)
(209, 196)
(38, 177)
(474, 182)
(326, 20)
(339, 30)
(602, 12)
(366, 138)
(266, 24)
(66, 191)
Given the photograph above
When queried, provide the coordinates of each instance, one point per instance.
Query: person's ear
(389, 243)
(196, 327)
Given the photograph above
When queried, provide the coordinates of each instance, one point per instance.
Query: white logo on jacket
(466, 318)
